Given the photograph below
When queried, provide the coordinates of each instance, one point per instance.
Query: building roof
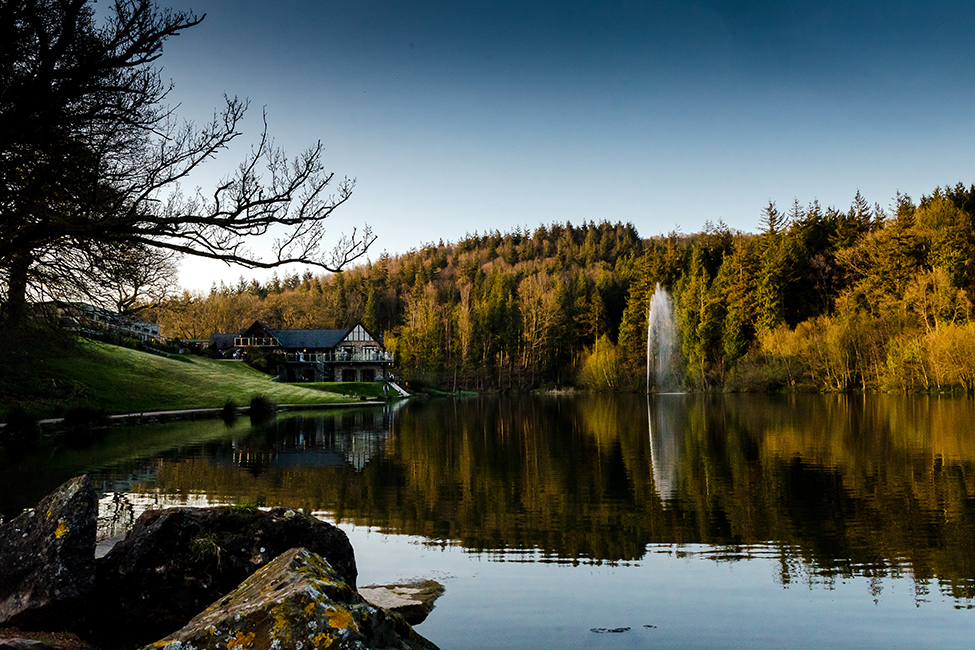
(292, 339)
(315, 339)
(222, 341)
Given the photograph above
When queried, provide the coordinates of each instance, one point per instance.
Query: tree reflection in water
(830, 486)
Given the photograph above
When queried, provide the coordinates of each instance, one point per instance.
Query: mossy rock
(296, 602)
(174, 562)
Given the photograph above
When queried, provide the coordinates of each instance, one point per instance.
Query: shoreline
(177, 415)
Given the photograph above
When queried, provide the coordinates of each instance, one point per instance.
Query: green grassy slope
(120, 380)
(371, 389)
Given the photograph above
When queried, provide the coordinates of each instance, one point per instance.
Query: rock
(12, 638)
(47, 557)
(18, 643)
(297, 601)
(413, 600)
(175, 562)
(102, 547)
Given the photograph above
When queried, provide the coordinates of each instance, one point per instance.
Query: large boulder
(175, 562)
(47, 557)
(297, 601)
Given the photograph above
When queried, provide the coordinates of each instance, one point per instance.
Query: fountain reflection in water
(666, 443)
(661, 343)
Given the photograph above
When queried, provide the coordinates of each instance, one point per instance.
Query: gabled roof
(305, 339)
(358, 332)
(316, 339)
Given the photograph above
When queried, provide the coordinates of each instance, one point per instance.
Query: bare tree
(93, 159)
(133, 279)
(127, 278)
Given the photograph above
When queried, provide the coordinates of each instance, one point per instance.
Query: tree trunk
(14, 309)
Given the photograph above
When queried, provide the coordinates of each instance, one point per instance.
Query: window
(358, 334)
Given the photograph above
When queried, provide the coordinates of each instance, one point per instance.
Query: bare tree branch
(92, 159)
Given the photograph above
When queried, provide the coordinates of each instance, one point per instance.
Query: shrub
(84, 417)
(262, 409)
(229, 411)
(269, 363)
(601, 368)
(80, 423)
(22, 428)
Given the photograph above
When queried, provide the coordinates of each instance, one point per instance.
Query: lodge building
(315, 355)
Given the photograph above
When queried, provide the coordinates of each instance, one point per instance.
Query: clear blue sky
(456, 117)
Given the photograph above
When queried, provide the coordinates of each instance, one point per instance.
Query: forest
(819, 299)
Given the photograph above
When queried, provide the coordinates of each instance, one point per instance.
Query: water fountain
(661, 342)
(665, 447)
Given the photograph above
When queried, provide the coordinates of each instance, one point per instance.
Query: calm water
(695, 522)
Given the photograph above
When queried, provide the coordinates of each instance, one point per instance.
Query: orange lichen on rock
(47, 563)
(340, 619)
(241, 641)
(62, 529)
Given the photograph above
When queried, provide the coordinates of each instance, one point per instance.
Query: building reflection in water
(350, 439)
(343, 441)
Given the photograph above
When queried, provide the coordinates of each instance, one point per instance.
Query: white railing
(253, 341)
(358, 356)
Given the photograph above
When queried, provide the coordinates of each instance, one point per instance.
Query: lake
(679, 521)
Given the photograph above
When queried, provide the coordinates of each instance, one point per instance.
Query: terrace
(255, 341)
(366, 355)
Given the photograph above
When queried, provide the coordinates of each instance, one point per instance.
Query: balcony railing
(254, 341)
(358, 356)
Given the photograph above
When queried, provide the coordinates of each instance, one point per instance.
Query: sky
(457, 117)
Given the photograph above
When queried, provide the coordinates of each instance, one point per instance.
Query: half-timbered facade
(352, 354)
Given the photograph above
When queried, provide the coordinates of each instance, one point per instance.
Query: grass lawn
(121, 380)
(371, 389)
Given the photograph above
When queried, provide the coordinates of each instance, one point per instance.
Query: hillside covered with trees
(819, 299)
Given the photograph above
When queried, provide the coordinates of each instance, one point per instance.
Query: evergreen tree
(773, 271)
